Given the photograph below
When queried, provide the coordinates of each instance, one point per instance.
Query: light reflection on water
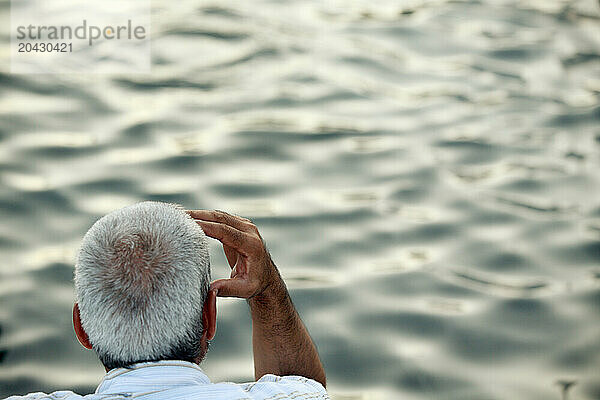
(425, 175)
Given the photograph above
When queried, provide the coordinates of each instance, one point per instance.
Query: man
(145, 305)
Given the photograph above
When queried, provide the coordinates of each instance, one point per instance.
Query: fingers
(243, 247)
(242, 242)
(206, 215)
(242, 224)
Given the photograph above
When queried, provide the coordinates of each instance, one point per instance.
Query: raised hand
(252, 270)
(281, 343)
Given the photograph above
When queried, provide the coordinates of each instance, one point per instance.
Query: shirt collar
(157, 375)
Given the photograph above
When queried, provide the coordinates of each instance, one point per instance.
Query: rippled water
(426, 174)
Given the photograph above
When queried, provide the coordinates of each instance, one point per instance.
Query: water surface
(425, 173)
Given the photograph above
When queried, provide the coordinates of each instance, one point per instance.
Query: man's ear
(209, 315)
(81, 334)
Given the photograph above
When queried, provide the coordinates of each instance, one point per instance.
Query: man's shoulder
(267, 387)
(289, 380)
(60, 395)
(292, 386)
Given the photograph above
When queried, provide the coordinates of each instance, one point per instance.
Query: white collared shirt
(179, 380)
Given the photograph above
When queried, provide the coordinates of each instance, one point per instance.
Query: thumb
(232, 287)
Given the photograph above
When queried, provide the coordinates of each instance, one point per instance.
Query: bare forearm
(281, 343)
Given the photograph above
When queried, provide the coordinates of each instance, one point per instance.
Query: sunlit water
(426, 175)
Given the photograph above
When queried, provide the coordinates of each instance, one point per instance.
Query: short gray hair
(142, 276)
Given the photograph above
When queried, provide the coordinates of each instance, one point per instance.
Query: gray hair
(142, 276)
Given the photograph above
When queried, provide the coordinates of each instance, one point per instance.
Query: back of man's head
(141, 278)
